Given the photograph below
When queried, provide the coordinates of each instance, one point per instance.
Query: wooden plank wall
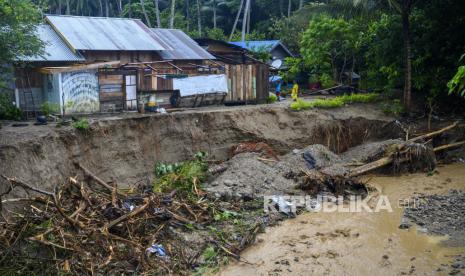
(111, 91)
(247, 82)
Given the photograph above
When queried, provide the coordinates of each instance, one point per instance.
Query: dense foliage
(18, 19)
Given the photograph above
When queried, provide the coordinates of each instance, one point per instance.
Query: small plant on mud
(271, 98)
(81, 125)
(185, 176)
(212, 263)
(225, 215)
(48, 108)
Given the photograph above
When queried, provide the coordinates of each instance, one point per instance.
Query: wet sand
(357, 243)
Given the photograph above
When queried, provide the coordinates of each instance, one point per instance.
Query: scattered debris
(258, 147)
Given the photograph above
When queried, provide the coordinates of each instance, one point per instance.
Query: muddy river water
(357, 243)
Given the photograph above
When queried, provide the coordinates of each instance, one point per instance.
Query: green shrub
(272, 98)
(48, 108)
(394, 107)
(82, 125)
(184, 177)
(8, 111)
(326, 81)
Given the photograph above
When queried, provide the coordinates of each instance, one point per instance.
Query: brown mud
(359, 243)
(124, 149)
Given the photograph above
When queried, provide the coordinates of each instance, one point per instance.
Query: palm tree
(145, 13)
(188, 15)
(404, 8)
(157, 13)
(199, 19)
(173, 5)
(244, 19)
(289, 8)
(233, 30)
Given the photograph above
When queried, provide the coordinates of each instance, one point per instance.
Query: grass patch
(335, 102)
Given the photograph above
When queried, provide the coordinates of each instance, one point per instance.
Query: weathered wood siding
(247, 82)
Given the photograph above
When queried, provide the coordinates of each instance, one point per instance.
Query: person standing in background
(278, 90)
(295, 91)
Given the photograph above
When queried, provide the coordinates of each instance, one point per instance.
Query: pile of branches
(84, 228)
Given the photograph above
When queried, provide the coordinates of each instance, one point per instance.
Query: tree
(199, 19)
(289, 8)
(144, 11)
(238, 15)
(329, 46)
(157, 13)
(244, 19)
(173, 6)
(404, 8)
(18, 21)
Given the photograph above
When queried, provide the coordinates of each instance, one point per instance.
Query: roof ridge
(93, 17)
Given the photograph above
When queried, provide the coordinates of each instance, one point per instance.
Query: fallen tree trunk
(449, 146)
(401, 155)
(434, 133)
(97, 179)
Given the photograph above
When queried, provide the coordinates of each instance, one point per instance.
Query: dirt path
(357, 243)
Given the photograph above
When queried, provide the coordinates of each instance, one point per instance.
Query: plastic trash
(157, 249)
(309, 160)
(128, 206)
(284, 206)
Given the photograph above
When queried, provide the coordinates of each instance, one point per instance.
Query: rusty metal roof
(55, 49)
(183, 47)
(104, 33)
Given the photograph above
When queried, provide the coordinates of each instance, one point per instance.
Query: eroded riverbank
(358, 243)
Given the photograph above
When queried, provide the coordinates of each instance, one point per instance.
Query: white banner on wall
(201, 85)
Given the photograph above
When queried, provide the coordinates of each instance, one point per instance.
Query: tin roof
(55, 49)
(258, 45)
(103, 33)
(183, 47)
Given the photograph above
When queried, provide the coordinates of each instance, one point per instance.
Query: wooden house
(278, 51)
(247, 76)
(94, 64)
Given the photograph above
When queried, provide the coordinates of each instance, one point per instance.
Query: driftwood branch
(60, 210)
(434, 133)
(129, 215)
(97, 179)
(449, 146)
(15, 182)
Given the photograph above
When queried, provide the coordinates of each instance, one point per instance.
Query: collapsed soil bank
(125, 148)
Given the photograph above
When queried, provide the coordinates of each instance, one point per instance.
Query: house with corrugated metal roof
(276, 49)
(96, 64)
